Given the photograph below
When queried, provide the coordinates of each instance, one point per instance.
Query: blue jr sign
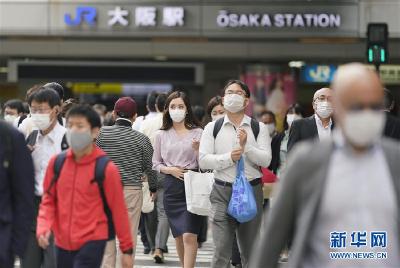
(83, 15)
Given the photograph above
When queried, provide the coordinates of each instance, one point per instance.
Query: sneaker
(158, 256)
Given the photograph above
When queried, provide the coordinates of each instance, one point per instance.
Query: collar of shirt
(245, 121)
(52, 135)
(123, 122)
(319, 122)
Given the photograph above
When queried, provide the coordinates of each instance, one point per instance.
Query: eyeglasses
(35, 110)
(323, 98)
(230, 92)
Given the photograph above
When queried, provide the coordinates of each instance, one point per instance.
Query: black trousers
(88, 256)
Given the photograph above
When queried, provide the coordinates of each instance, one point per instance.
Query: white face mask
(216, 117)
(10, 118)
(363, 128)
(324, 109)
(41, 121)
(233, 103)
(177, 115)
(291, 117)
(271, 128)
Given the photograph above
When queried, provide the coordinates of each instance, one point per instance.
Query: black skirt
(180, 220)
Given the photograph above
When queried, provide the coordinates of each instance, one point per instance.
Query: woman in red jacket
(73, 207)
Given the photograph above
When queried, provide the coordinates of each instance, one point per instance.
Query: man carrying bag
(223, 143)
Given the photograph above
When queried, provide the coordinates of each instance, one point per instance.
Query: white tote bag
(148, 204)
(198, 188)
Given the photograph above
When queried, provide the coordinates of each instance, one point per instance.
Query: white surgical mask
(10, 118)
(324, 109)
(41, 121)
(363, 128)
(291, 117)
(233, 103)
(271, 128)
(216, 117)
(177, 115)
(78, 140)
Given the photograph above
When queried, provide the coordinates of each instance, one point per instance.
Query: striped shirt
(131, 151)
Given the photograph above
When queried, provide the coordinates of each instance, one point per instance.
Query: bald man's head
(322, 103)
(358, 103)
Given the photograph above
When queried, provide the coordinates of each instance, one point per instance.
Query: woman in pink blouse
(176, 151)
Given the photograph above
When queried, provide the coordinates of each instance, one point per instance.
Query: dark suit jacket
(16, 195)
(276, 149)
(296, 205)
(392, 127)
(303, 129)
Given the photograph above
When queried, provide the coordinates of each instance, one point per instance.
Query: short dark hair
(47, 95)
(32, 90)
(294, 108)
(57, 87)
(160, 101)
(190, 120)
(86, 111)
(215, 101)
(242, 85)
(199, 112)
(151, 101)
(388, 100)
(14, 104)
(269, 113)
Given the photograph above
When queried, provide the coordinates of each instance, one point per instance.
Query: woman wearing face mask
(279, 141)
(176, 151)
(215, 108)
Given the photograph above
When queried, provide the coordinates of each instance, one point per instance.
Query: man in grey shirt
(339, 200)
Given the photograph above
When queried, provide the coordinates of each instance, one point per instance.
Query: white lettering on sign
(145, 16)
(173, 16)
(288, 20)
(118, 16)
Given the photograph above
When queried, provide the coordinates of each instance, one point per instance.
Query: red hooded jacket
(74, 209)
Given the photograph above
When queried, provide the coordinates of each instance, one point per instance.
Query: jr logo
(83, 14)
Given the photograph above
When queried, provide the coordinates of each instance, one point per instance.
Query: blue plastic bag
(242, 206)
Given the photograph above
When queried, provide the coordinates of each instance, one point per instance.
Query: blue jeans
(89, 255)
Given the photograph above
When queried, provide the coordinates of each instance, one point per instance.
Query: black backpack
(99, 176)
(32, 138)
(255, 127)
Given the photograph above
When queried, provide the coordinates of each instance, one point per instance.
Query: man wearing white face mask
(44, 105)
(222, 144)
(319, 125)
(348, 186)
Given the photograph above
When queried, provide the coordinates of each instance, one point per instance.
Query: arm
(22, 188)
(48, 205)
(147, 165)
(115, 200)
(158, 162)
(260, 154)
(294, 135)
(207, 157)
(280, 220)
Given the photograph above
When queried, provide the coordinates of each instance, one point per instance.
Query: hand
(43, 240)
(127, 261)
(31, 148)
(236, 154)
(242, 134)
(177, 172)
(195, 145)
(153, 196)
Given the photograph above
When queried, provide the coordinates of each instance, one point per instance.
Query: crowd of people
(75, 178)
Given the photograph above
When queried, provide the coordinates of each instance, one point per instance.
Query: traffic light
(377, 43)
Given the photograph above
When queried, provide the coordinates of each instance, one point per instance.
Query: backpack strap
(255, 127)
(58, 165)
(99, 176)
(32, 138)
(217, 127)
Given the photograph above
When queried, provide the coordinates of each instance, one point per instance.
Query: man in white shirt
(150, 106)
(238, 136)
(319, 125)
(44, 105)
(339, 199)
